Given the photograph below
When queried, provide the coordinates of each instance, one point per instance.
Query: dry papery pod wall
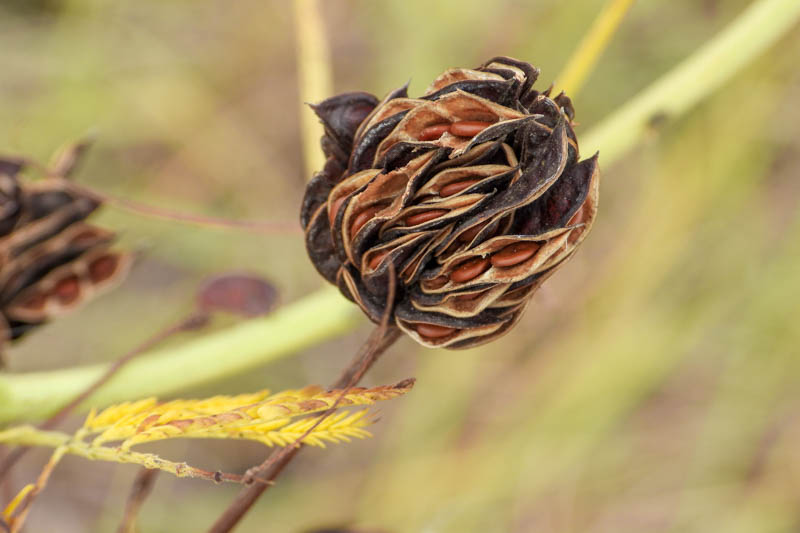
(472, 194)
(51, 259)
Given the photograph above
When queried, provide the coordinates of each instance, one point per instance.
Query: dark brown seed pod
(51, 260)
(474, 192)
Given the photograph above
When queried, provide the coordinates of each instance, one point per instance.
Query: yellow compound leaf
(259, 416)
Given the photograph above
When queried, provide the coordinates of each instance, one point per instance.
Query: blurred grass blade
(758, 27)
(582, 62)
(314, 77)
(326, 314)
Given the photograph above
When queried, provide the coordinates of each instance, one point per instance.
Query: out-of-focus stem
(582, 62)
(315, 77)
(758, 27)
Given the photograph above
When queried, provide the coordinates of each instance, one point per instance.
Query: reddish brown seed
(433, 132)
(85, 237)
(424, 216)
(472, 232)
(470, 269)
(362, 218)
(103, 268)
(468, 128)
(437, 283)
(434, 331)
(469, 297)
(67, 290)
(578, 218)
(514, 254)
(456, 187)
(36, 301)
(335, 209)
(377, 258)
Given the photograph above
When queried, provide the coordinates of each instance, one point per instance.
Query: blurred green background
(652, 384)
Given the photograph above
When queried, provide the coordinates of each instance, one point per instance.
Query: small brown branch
(381, 338)
(63, 167)
(282, 228)
(142, 486)
(269, 470)
(192, 321)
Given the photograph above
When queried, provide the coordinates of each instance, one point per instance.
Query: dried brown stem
(140, 490)
(378, 342)
(381, 338)
(188, 218)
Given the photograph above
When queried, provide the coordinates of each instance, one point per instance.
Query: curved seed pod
(51, 260)
(475, 193)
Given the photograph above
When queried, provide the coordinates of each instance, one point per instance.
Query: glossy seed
(456, 187)
(85, 237)
(470, 269)
(578, 218)
(335, 209)
(362, 218)
(514, 254)
(433, 132)
(67, 290)
(437, 283)
(424, 216)
(469, 297)
(468, 128)
(472, 232)
(36, 301)
(434, 331)
(377, 258)
(103, 268)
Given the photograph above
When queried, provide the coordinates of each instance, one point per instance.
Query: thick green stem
(758, 27)
(325, 314)
(306, 322)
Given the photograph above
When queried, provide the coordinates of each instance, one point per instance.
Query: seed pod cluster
(51, 260)
(474, 193)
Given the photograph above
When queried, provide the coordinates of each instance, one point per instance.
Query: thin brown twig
(140, 490)
(192, 321)
(158, 212)
(188, 218)
(381, 338)
(6, 490)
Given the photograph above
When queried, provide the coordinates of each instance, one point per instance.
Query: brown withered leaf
(243, 294)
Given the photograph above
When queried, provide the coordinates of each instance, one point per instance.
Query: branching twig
(373, 348)
(187, 218)
(381, 338)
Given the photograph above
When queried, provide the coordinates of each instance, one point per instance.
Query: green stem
(325, 314)
(205, 359)
(582, 62)
(758, 27)
(74, 445)
(315, 77)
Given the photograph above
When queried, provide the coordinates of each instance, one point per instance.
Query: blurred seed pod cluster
(51, 259)
(472, 195)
